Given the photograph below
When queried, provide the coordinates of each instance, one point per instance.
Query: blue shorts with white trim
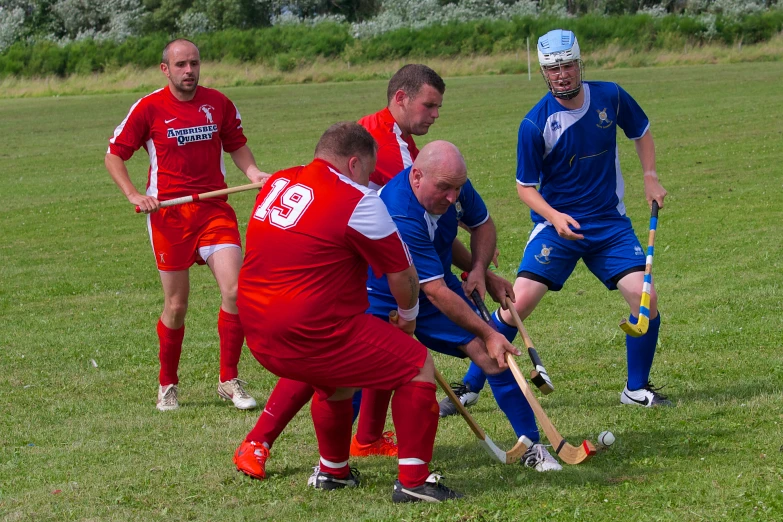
(610, 249)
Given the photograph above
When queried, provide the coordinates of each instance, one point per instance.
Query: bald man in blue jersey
(567, 147)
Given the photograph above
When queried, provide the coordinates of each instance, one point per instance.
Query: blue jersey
(573, 155)
(429, 237)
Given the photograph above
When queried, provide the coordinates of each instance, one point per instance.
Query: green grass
(79, 284)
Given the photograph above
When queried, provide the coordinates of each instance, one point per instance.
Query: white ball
(606, 438)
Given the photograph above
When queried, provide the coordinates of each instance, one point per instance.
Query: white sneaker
(167, 398)
(647, 396)
(233, 391)
(538, 457)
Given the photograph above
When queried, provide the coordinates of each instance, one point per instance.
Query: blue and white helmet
(556, 49)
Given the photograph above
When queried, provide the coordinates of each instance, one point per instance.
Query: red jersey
(309, 242)
(185, 140)
(395, 151)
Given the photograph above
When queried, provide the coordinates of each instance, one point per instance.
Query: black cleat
(431, 491)
(323, 480)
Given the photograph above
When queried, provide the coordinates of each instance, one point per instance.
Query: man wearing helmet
(567, 147)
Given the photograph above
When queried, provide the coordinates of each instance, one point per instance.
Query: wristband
(409, 315)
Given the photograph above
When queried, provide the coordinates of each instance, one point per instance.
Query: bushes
(289, 45)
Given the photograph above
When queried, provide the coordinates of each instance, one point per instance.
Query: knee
(176, 309)
(229, 293)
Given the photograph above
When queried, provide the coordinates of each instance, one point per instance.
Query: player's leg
(332, 421)
(640, 351)
(174, 247)
(370, 439)
(219, 246)
(617, 259)
(171, 332)
(285, 401)
(514, 405)
(384, 355)
(415, 414)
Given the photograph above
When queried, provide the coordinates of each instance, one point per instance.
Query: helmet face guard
(561, 63)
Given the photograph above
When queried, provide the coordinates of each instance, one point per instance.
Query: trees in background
(63, 21)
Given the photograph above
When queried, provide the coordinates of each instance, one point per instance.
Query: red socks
(415, 414)
(169, 351)
(332, 421)
(372, 415)
(232, 337)
(287, 398)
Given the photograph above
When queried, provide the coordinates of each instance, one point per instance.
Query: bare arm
(461, 256)
(483, 243)
(645, 149)
(404, 287)
(562, 222)
(119, 173)
(244, 160)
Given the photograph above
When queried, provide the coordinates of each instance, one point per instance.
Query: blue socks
(513, 403)
(509, 332)
(475, 378)
(640, 352)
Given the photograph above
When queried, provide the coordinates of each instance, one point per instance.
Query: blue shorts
(434, 330)
(610, 249)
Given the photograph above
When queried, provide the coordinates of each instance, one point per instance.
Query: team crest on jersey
(458, 207)
(603, 119)
(555, 125)
(543, 257)
(191, 134)
(207, 110)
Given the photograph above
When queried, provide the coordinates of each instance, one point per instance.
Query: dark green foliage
(287, 46)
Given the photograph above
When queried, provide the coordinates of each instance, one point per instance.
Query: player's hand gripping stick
(207, 195)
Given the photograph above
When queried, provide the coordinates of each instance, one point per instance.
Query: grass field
(80, 442)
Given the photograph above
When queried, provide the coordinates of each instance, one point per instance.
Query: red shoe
(385, 446)
(250, 459)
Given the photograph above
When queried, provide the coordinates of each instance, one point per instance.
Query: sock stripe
(411, 462)
(333, 465)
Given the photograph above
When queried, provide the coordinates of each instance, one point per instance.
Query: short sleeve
(474, 210)
(415, 234)
(231, 134)
(373, 234)
(630, 116)
(132, 133)
(530, 153)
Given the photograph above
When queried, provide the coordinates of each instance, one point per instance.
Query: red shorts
(375, 355)
(185, 234)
